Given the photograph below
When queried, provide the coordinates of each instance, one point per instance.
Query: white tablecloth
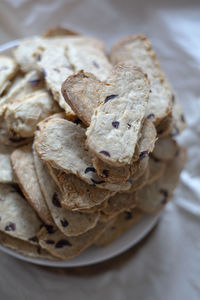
(167, 266)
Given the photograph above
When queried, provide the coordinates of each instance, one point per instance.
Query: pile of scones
(87, 142)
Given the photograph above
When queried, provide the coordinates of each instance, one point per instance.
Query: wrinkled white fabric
(168, 265)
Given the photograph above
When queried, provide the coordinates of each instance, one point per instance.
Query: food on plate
(87, 142)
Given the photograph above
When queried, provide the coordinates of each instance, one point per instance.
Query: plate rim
(151, 221)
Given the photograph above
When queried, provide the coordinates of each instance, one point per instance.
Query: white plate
(93, 254)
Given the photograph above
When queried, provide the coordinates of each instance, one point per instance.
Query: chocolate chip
(43, 72)
(39, 250)
(70, 67)
(95, 64)
(155, 159)
(64, 223)
(90, 169)
(105, 173)
(165, 196)
(50, 92)
(77, 121)
(57, 70)
(39, 57)
(35, 82)
(110, 98)
(34, 239)
(55, 200)
(175, 132)
(129, 126)
(37, 128)
(182, 118)
(13, 134)
(50, 229)
(128, 215)
(10, 227)
(151, 116)
(115, 124)
(105, 153)
(160, 131)
(3, 68)
(130, 181)
(50, 242)
(97, 182)
(173, 98)
(62, 243)
(143, 154)
(177, 153)
(16, 140)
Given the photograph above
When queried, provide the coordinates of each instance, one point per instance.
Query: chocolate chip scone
(116, 123)
(64, 247)
(70, 223)
(137, 49)
(24, 171)
(18, 219)
(60, 139)
(122, 100)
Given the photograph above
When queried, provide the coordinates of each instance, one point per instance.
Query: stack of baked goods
(87, 142)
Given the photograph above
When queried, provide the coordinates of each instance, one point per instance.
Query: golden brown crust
(18, 219)
(24, 171)
(137, 49)
(114, 174)
(81, 91)
(58, 31)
